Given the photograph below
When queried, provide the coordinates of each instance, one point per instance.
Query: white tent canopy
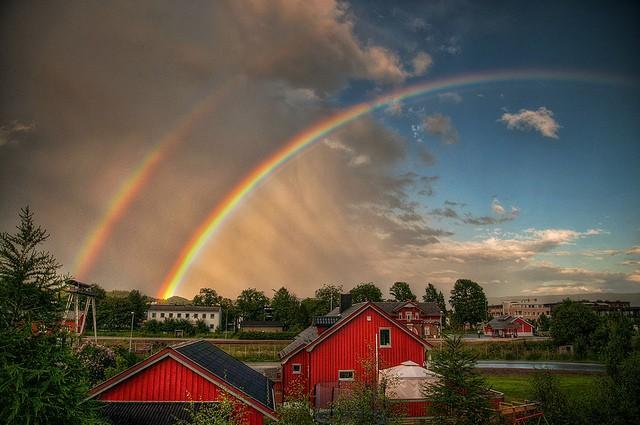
(407, 380)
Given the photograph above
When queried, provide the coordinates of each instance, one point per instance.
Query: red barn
(329, 354)
(159, 390)
(508, 326)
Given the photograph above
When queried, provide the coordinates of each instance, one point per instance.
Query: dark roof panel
(230, 370)
(303, 339)
(145, 413)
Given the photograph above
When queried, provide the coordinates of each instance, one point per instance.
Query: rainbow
(138, 178)
(306, 138)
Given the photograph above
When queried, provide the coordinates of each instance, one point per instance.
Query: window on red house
(385, 337)
(345, 375)
(296, 368)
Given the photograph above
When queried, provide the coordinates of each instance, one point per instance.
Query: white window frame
(353, 375)
(409, 315)
(417, 316)
(380, 336)
(293, 368)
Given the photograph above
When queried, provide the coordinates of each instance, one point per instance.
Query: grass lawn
(518, 386)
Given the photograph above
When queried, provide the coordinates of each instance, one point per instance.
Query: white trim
(353, 375)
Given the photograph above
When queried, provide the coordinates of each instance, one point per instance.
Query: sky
(128, 126)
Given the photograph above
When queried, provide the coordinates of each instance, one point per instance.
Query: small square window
(417, 316)
(153, 315)
(409, 315)
(162, 315)
(296, 368)
(345, 375)
(195, 315)
(170, 314)
(179, 315)
(186, 315)
(385, 337)
(211, 316)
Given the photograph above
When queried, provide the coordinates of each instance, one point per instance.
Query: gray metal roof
(503, 322)
(150, 413)
(303, 339)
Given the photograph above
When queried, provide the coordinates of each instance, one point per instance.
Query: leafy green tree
(138, 304)
(229, 313)
(227, 411)
(469, 303)
(554, 402)
(30, 288)
(461, 394)
(311, 307)
(286, 307)
(401, 291)
(619, 331)
(431, 294)
(573, 323)
(251, 304)
(296, 409)
(208, 297)
(543, 322)
(330, 296)
(366, 292)
(41, 381)
(113, 313)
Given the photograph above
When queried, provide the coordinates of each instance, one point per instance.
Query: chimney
(345, 302)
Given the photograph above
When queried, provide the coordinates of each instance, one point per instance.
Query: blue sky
(527, 187)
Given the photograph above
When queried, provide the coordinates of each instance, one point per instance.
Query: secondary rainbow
(321, 129)
(137, 179)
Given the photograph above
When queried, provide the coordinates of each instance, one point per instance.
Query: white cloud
(497, 207)
(421, 63)
(440, 125)
(540, 120)
(450, 97)
(634, 250)
(11, 132)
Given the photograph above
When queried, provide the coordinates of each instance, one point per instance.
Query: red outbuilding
(508, 327)
(332, 352)
(160, 389)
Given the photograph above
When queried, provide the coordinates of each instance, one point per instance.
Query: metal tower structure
(81, 298)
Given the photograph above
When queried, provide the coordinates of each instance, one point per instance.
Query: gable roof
(505, 322)
(355, 311)
(213, 364)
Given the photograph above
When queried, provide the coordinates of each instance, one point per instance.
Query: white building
(193, 313)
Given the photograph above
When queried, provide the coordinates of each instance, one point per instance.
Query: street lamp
(441, 313)
(131, 335)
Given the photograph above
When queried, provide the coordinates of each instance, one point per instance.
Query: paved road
(560, 366)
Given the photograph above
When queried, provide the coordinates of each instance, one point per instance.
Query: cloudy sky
(526, 186)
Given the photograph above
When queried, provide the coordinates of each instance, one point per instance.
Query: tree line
(114, 308)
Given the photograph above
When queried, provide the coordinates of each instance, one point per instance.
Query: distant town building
(605, 308)
(527, 308)
(193, 313)
(261, 326)
(508, 327)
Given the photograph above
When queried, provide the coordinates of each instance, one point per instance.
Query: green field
(518, 386)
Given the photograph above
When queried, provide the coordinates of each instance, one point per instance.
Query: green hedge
(267, 335)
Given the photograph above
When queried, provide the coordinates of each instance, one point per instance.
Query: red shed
(159, 389)
(508, 326)
(330, 353)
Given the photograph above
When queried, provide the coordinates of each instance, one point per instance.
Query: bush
(267, 335)
(95, 359)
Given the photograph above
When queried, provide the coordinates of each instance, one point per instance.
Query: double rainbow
(321, 129)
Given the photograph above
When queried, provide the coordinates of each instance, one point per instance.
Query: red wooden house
(159, 390)
(425, 319)
(508, 327)
(330, 354)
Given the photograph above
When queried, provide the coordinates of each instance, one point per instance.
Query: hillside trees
(207, 297)
(251, 304)
(286, 307)
(431, 294)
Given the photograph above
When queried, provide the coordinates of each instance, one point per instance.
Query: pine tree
(461, 394)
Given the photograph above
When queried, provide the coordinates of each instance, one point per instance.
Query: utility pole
(131, 335)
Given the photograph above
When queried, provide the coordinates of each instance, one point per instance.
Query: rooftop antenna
(81, 298)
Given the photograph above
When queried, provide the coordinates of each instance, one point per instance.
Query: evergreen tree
(461, 394)
(433, 295)
(41, 381)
